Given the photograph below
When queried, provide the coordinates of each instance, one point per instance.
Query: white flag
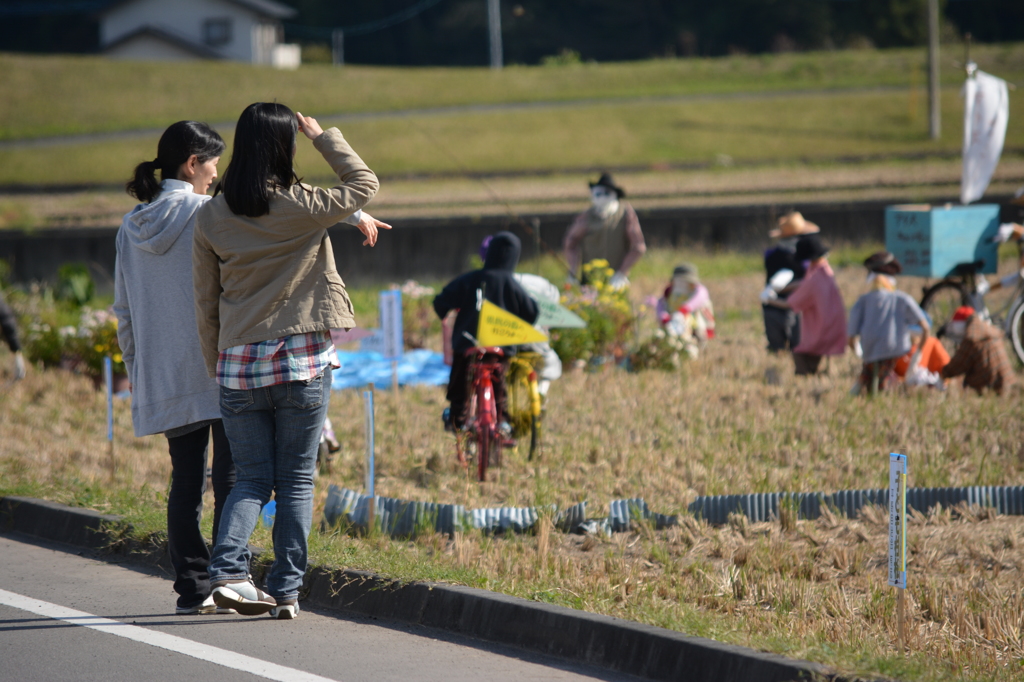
(986, 111)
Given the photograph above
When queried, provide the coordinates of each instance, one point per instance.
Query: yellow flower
(98, 348)
(117, 357)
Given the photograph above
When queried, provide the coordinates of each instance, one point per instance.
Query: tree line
(454, 32)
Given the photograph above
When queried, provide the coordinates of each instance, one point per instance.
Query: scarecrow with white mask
(783, 274)
(609, 230)
(981, 356)
(685, 309)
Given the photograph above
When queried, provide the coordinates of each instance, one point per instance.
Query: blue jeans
(274, 434)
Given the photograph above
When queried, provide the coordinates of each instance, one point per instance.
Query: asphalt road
(64, 616)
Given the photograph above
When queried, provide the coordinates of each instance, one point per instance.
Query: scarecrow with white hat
(784, 272)
(608, 230)
(685, 309)
(882, 320)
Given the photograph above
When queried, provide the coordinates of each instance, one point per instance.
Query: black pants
(190, 555)
(782, 327)
(459, 387)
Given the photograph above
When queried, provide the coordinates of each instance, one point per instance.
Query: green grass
(57, 95)
(785, 130)
(67, 95)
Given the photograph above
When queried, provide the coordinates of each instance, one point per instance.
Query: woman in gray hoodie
(153, 301)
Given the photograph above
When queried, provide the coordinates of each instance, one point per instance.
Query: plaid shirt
(298, 357)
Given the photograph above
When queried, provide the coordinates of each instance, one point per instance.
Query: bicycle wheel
(1017, 330)
(486, 443)
(940, 302)
(534, 436)
(485, 419)
(517, 388)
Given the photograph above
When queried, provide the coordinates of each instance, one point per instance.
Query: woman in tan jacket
(267, 293)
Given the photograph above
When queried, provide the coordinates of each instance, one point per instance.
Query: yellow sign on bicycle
(499, 327)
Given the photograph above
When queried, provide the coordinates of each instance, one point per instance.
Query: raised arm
(358, 183)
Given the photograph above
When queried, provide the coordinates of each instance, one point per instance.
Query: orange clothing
(933, 358)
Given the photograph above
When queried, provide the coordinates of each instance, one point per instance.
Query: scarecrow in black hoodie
(497, 285)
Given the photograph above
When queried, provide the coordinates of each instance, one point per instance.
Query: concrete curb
(611, 643)
(57, 522)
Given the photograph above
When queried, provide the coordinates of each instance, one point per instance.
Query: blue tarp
(359, 368)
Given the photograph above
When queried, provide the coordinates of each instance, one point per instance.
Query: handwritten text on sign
(898, 521)
(391, 323)
(503, 326)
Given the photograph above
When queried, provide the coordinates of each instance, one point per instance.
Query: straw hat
(793, 225)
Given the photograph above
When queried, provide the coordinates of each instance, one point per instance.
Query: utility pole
(338, 47)
(494, 32)
(934, 112)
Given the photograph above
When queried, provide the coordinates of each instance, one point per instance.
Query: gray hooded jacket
(154, 304)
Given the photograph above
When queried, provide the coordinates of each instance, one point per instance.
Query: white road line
(204, 652)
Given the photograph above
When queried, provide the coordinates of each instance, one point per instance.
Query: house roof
(266, 8)
(198, 49)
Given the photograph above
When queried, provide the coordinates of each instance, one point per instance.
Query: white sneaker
(285, 610)
(242, 596)
(203, 608)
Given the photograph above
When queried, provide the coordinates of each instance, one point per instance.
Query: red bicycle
(482, 418)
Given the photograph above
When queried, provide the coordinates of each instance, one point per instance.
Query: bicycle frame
(965, 280)
(482, 417)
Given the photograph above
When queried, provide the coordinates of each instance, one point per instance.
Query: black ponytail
(179, 142)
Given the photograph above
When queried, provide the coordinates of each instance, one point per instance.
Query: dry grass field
(814, 589)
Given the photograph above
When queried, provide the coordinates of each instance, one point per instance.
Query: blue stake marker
(108, 377)
(368, 400)
(109, 380)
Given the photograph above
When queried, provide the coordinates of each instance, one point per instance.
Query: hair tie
(156, 162)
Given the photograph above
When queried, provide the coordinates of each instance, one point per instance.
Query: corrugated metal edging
(398, 518)
(402, 518)
(759, 507)
(622, 512)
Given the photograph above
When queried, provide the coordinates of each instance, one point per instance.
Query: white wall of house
(247, 38)
(148, 48)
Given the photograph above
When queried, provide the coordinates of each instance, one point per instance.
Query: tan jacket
(262, 278)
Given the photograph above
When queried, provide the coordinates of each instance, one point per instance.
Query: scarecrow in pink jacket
(821, 308)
